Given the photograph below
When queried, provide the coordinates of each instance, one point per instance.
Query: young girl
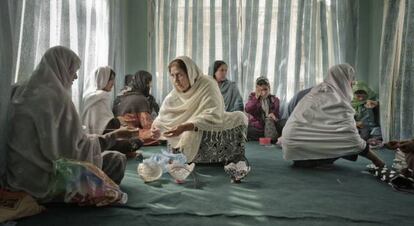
(263, 111)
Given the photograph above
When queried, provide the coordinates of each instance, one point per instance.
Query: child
(364, 115)
(263, 112)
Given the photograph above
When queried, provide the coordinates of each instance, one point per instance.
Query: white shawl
(322, 125)
(97, 110)
(45, 126)
(201, 105)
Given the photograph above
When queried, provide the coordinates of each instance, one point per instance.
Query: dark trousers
(318, 162)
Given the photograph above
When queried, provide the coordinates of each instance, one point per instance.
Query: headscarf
(97, 102)
(265, 103)
(322, 125)
(360, 85)
(201, 105)
(231, 95)
(45, 125)
(137, 98)
(217, 64)
(126, 88)
(139, 83)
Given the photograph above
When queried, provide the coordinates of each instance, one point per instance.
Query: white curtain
(292, 42)
(397, 70)
(94, 29)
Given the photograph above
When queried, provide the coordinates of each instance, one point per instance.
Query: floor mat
(273, 193)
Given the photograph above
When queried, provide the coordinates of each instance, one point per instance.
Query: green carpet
(274, 193)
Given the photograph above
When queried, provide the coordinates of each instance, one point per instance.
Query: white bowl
(149, 171)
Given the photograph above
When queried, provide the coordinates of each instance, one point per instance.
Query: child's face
(360, 97)
(263, 90)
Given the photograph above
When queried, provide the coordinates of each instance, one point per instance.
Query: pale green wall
(137, 36)
(362, 65)
(370, 25)
(376, 13)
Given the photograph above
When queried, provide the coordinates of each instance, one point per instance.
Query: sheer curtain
(396, 70)
(292, 42)
(93, 29)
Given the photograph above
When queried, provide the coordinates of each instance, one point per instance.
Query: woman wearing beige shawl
(192, 118)
(322, 128)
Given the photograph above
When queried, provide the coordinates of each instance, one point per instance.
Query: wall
(136, 36)
(375, 29)
(362, 66)
(369, 42)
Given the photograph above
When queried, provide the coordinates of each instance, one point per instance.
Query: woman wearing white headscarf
(322, 128)
(45, 127)
(97, 112)
(193, 120)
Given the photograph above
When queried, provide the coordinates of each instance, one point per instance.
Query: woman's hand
(178, 130)
(371, 104)
(272, 116)
(359, 125)
(125, 132)
(258, 91)
(155, 133)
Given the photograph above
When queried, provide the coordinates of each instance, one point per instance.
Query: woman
(97, 112)
(263, 111)
(322, 128)
(136, 108)
(192, 118)
(46, 127)
(232, 99)
(126, 88)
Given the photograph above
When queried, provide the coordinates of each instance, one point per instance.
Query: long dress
(203, 106)
(322, 125)
(45, 126)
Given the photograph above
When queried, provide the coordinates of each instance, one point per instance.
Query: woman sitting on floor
(192, 118)
(322, 128)
(126, 88)
(232, 99)
(45, 127)
(137, 108)
(263, 111)
(97, 112)
(97, 116)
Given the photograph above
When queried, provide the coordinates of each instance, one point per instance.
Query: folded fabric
(15, 205)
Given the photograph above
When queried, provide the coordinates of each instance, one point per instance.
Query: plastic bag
(85, 184)
(164, 158)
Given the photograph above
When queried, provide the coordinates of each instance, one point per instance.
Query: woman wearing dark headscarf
(231, 95)
(136, 107)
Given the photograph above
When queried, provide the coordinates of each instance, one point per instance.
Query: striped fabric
(292, 42)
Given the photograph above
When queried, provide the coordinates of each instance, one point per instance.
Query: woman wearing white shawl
(193, 120)
(97, 110)
(45, 127)
(322, 128)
